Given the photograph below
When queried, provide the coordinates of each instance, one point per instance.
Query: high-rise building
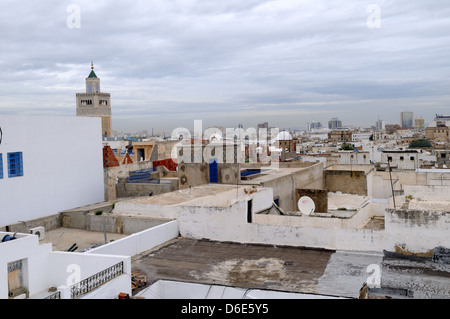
(95, 103)
(380, 125)
(264, 125)
(406, 119)
(334, 123)
(314, 125)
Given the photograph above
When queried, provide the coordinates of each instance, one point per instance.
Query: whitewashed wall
(66, 268)
(358, 220)
(428, 192)
(62, 165)
(229, 223)
(43, 268)
(415, 231)
(139, 242)
(25, 247)
(166, 289)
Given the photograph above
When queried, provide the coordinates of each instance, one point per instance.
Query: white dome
(284, 136)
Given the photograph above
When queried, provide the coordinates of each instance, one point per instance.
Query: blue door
(213, 173)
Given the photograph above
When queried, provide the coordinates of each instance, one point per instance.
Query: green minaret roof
(92, 74)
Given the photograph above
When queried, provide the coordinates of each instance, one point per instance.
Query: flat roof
(350, 167)
(63, 238)
(234, 264)
(195, 194)
(289, 269)
(405, 151)
(269, 174)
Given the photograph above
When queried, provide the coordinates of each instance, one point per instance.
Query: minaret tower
(95, 103)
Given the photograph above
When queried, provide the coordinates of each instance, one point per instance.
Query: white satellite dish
(306, 205)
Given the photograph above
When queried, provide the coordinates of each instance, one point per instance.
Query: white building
(354, 157)
(48, 164)
(30, 270)
(361, 136)
(380, 125)
(401, 159)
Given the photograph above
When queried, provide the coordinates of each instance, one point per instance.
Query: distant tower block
(95, 103)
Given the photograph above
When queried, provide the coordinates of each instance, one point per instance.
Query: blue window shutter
(15, 164)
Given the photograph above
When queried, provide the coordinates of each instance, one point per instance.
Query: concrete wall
(404, 226)
(125, 189)
(193, 174)
(319, 197)
(326, 221)
(62, 165)
(228, 222)
(283, 181)
(141, 241)
(164, 149)
(112, 175)
(429, 193)
(48, 222)
(288, 178)
(345, 181)
(379, 183)
(334, 238)
(311, 177)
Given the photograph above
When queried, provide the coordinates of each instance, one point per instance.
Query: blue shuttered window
(15, 164)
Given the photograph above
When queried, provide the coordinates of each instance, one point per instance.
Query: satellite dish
(306, 205)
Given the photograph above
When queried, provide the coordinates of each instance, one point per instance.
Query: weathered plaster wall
(125, 189)
(416, 231)
(356, 221)
(429, 193)
(112, 175)
(193, 174)
(227, 221)
(319, 197)
(289, 178)
(379, 182)
(350, 182)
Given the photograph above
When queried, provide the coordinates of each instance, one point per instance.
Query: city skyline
(228, 63)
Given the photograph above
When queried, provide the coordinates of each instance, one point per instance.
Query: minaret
(95, 103)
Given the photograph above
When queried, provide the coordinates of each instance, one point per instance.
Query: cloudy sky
(167, 63)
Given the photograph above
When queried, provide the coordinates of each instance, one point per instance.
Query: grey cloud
(186, 59)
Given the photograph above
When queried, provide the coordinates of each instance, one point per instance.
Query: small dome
(284, 136)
